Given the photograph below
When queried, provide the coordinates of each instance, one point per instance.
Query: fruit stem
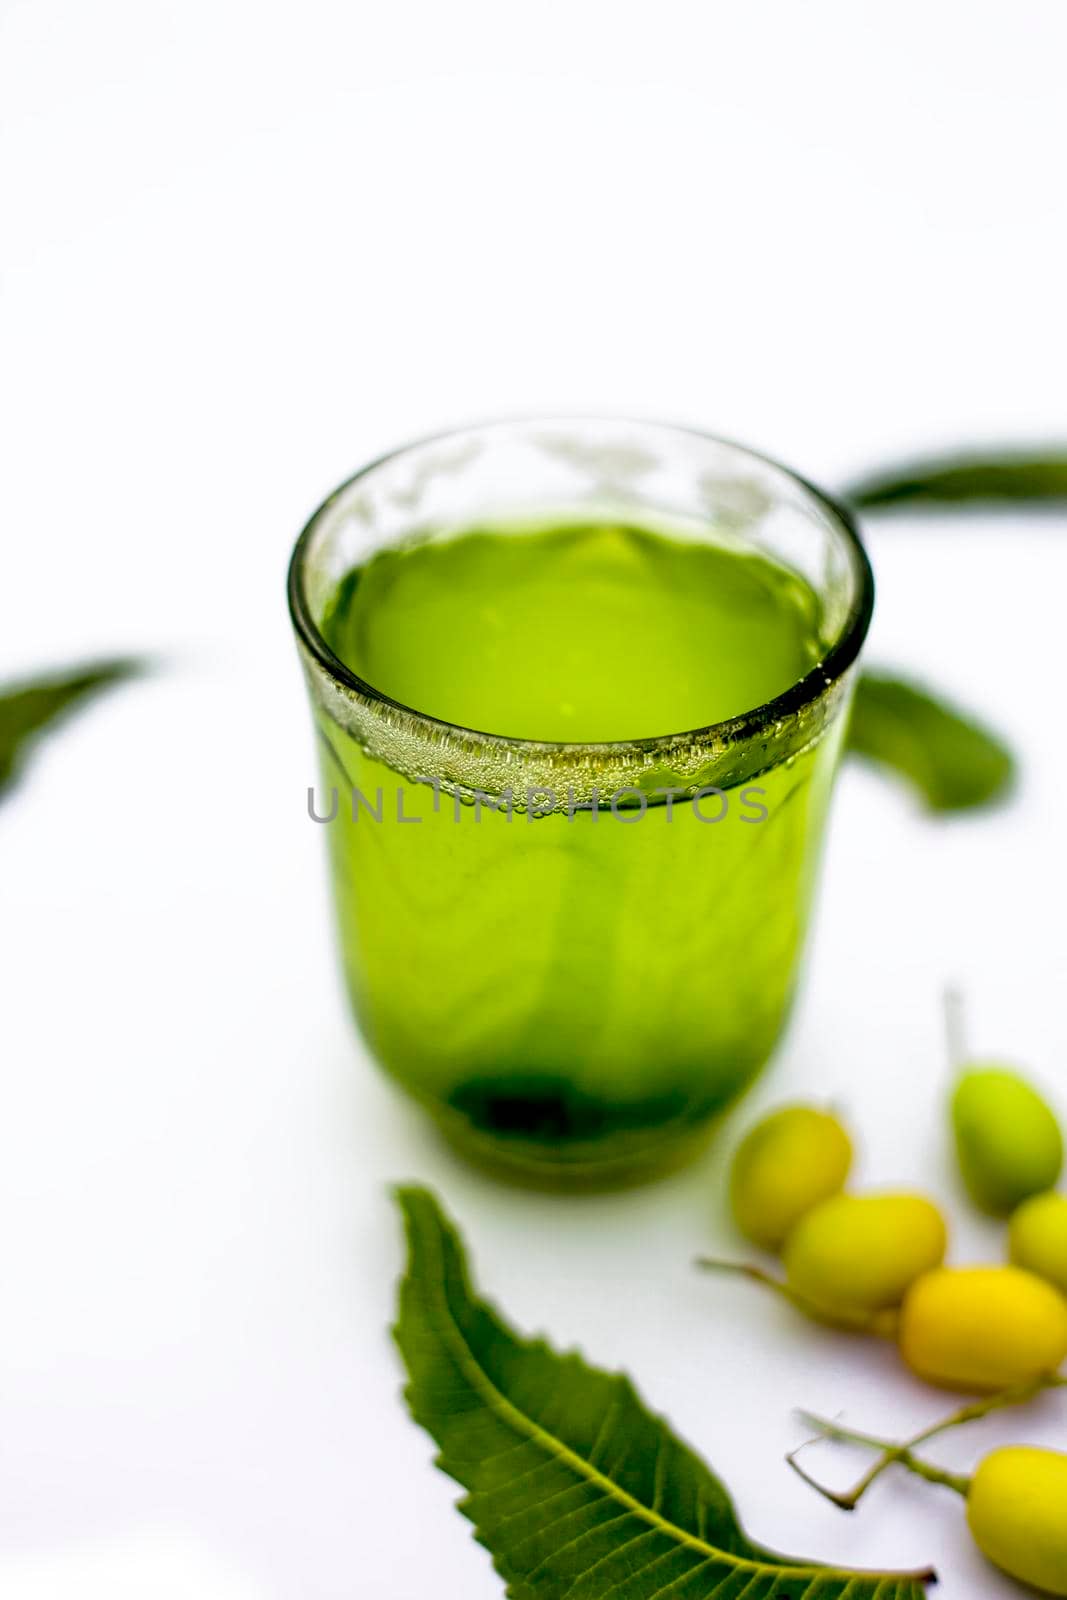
(898, 1455)
(955, 1032)
(903, 1454)
(890, 1455)
(881, 1324)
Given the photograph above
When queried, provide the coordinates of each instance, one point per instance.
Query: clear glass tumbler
(574, 955)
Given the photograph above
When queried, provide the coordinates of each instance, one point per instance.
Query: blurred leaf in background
(955, 763)
(29, 709)
(1027, 480)
(950, 758)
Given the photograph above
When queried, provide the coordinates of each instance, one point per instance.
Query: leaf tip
(417, 1204)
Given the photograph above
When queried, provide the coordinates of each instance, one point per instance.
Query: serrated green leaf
(954, 762)
(951, 483)
(577, 1490)
(27, 709)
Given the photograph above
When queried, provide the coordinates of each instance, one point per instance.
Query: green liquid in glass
(575, 995)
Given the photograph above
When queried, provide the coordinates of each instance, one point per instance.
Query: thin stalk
(903, 1454)
(955, 1032)
(898, 1455)
(880, 1324)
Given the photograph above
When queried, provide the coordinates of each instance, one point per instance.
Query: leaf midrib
(453, 1337)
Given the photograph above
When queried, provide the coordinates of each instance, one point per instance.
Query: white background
(246, 247)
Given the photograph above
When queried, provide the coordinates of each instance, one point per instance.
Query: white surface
(247, 247)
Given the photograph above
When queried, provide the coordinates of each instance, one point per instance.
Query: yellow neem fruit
(783, 1166)
(983, 1328)
(859, 1253)
(1037, 1238)
(1017, 1511)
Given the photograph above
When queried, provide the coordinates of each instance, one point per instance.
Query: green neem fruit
(1037, 1238)
(983, 1328)
(1017, 1511)
(859, 1253)
(783, 1166)
(1008, 1141)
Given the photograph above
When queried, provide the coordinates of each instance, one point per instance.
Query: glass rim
(789, 704)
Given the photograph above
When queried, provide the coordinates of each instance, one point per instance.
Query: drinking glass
(572, 971)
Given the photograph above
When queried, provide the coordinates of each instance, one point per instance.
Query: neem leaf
(949, 483)
(953, 762)
(27, 709)
(577, 1490)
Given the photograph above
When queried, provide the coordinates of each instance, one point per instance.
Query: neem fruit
(979, 1329)
(785, 1165)
(1008, 1141)
(1037, 1238)
(862, 1252)
(1017, 1514)
(982, 1328)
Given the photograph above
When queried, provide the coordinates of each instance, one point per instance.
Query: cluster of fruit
(874, 1263)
